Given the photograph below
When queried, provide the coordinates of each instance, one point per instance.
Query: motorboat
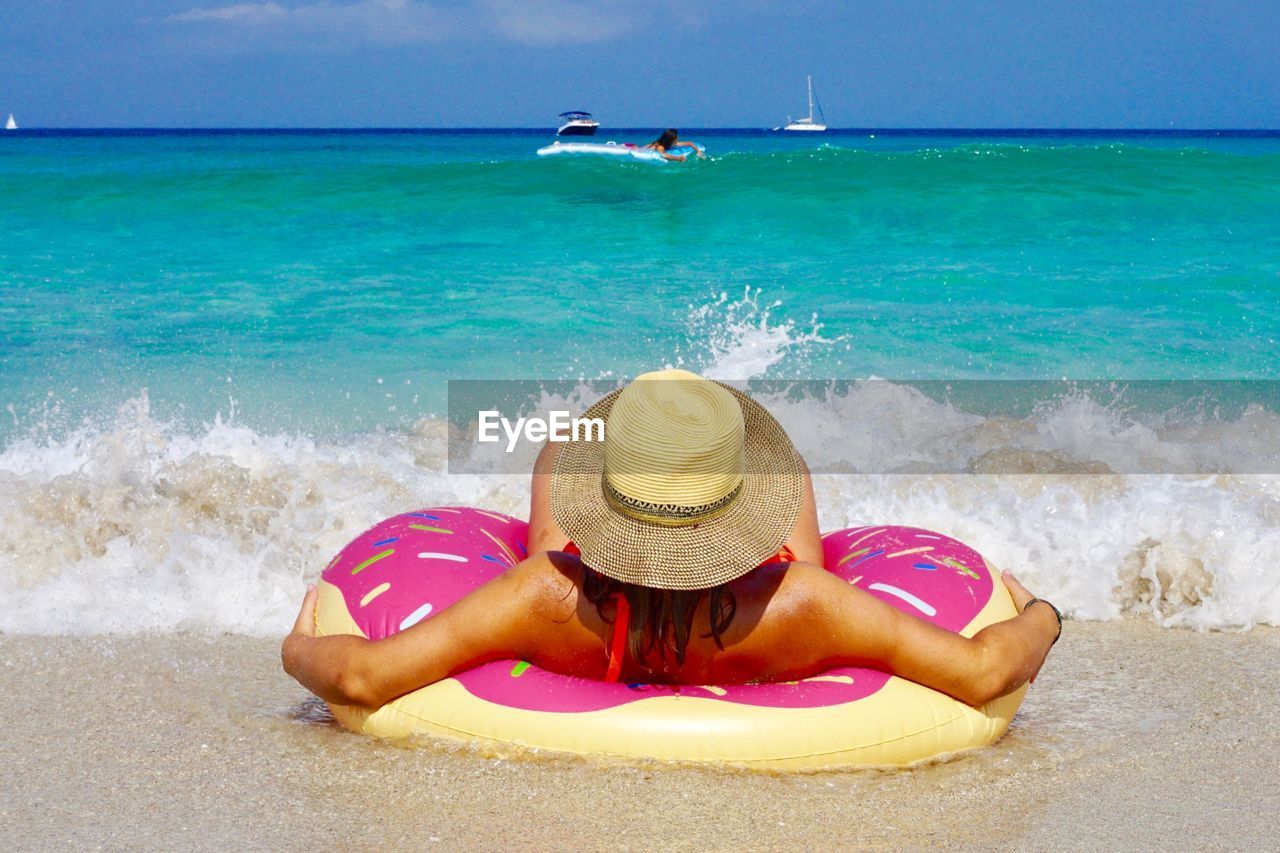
(577, 123)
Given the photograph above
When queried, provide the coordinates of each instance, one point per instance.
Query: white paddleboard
(624, 150)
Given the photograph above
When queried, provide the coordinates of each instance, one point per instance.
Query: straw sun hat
(695, 484)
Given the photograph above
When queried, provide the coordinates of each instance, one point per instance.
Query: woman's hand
(1021, 597)
(327, 666)
(294, 647)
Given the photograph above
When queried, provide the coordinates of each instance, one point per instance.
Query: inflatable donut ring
(409, 567)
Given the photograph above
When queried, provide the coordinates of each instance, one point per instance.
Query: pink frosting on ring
(412, 566)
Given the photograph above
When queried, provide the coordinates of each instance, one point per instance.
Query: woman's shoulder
(548, 579)
(816, 593)
(778, 625)
(777, 600)
(786, 584)
(565, 632)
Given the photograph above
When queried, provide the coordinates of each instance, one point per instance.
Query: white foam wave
(143, 525)
(739, 339)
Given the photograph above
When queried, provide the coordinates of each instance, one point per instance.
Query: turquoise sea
(223, 352)
(292, 270)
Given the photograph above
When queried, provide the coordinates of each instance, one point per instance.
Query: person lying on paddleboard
(670, 139)
(681, 549)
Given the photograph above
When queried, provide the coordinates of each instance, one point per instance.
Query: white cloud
(332, 22)
(548, 22)
(377, 21)
(249, 13)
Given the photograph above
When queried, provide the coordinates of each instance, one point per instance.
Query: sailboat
(10, 124)
(807, 123)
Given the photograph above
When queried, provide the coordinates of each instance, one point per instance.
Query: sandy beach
(1133, 737)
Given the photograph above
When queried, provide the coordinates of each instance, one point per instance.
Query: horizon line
(545, 128)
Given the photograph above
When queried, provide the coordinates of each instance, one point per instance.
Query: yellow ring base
(900, 724)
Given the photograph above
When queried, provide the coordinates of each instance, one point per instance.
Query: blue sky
(414, 63)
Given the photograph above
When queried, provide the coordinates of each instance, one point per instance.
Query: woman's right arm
(861, 630)
(519, 614)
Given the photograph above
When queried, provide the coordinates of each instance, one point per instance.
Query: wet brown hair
(661, 619)
(667, 139)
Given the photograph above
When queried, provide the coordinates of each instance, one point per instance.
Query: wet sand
(1133, 737)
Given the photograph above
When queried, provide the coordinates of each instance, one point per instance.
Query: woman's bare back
(766, 638)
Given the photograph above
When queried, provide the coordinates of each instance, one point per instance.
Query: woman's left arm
(848, 626)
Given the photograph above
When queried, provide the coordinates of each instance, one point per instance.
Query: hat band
(668, 515)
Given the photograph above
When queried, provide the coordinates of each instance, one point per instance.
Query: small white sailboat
(10, 124)
(807, 123)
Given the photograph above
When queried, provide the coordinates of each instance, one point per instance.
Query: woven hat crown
(694, 485)
(673, 448)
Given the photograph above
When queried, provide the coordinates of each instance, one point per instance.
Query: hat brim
(694, 556)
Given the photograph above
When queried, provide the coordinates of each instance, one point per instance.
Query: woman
(670, 139)
(683, 548)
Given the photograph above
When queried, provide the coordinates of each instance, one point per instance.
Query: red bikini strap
(618, 639)
(784, 555)
(621, 623)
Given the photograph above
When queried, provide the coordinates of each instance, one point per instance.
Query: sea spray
(741, 339)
